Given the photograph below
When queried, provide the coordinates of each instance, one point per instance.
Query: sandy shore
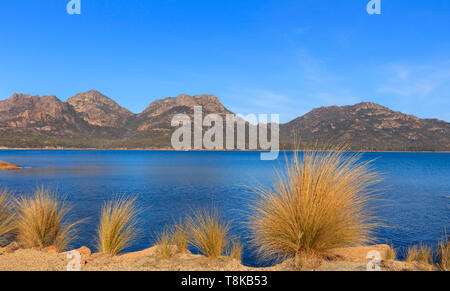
(16, 259)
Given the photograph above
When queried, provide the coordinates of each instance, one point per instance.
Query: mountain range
(92, 120)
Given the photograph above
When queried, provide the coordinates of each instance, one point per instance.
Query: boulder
(7, 166)
(11, 248)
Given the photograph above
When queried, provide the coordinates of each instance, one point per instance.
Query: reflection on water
(172, 184)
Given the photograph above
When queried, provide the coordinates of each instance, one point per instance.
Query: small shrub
(208, 233)
(40, 221)
(117, 227)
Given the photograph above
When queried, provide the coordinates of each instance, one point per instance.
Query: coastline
(173, 150)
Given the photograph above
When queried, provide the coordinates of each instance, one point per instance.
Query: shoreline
(173, 150)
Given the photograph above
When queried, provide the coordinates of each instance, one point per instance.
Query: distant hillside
(368, 126)
(92, 120)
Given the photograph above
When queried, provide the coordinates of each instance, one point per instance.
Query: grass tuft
(208, 233)
(40, 221)
(164, 247)
(420, 254)
(235, 250)
(117, 227)
(320, 203)
(391, 254)
(412, 254)
(443, 255)
(180, 236)
(6, 216)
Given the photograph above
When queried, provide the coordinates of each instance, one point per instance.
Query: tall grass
(180, 236)
(235, 250)
(421, 254)
(443, 255)
(321, 202)
(208, 232)
(391, 254)
(40, 221)
(118, 225)
(412, 254)
(164, 247)
(6, 216)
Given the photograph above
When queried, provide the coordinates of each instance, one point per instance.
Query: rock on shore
(7, 166)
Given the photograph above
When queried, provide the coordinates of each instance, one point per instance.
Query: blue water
(172, 184)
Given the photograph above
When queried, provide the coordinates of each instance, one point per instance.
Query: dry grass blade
(180, 236)
(117, 227)
(420, 254)
(425, 255)
(235, 251)
(321, 203)
(6, 216)
(208, 233)
(412, 254)
(40, 221)
(164, 248)
(391, 254)
(443, 254)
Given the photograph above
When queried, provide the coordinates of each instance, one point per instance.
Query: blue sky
(257, 56)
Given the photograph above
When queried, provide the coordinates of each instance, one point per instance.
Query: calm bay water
(170, 185)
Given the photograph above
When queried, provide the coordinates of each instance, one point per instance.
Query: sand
(147, 260)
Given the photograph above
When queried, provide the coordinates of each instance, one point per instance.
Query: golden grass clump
(443, 255)
(412, 254)
(320, 203)
(422, 254)
(164, 248)
(180, 236)
(6, 216)
(117, 227)
(235, 250)
(208, 233)
(391, 254)
(40, 221)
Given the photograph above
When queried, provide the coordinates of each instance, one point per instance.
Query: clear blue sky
(258, 56)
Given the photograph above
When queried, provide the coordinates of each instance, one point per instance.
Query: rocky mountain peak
(210, 104)
(99, 110)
